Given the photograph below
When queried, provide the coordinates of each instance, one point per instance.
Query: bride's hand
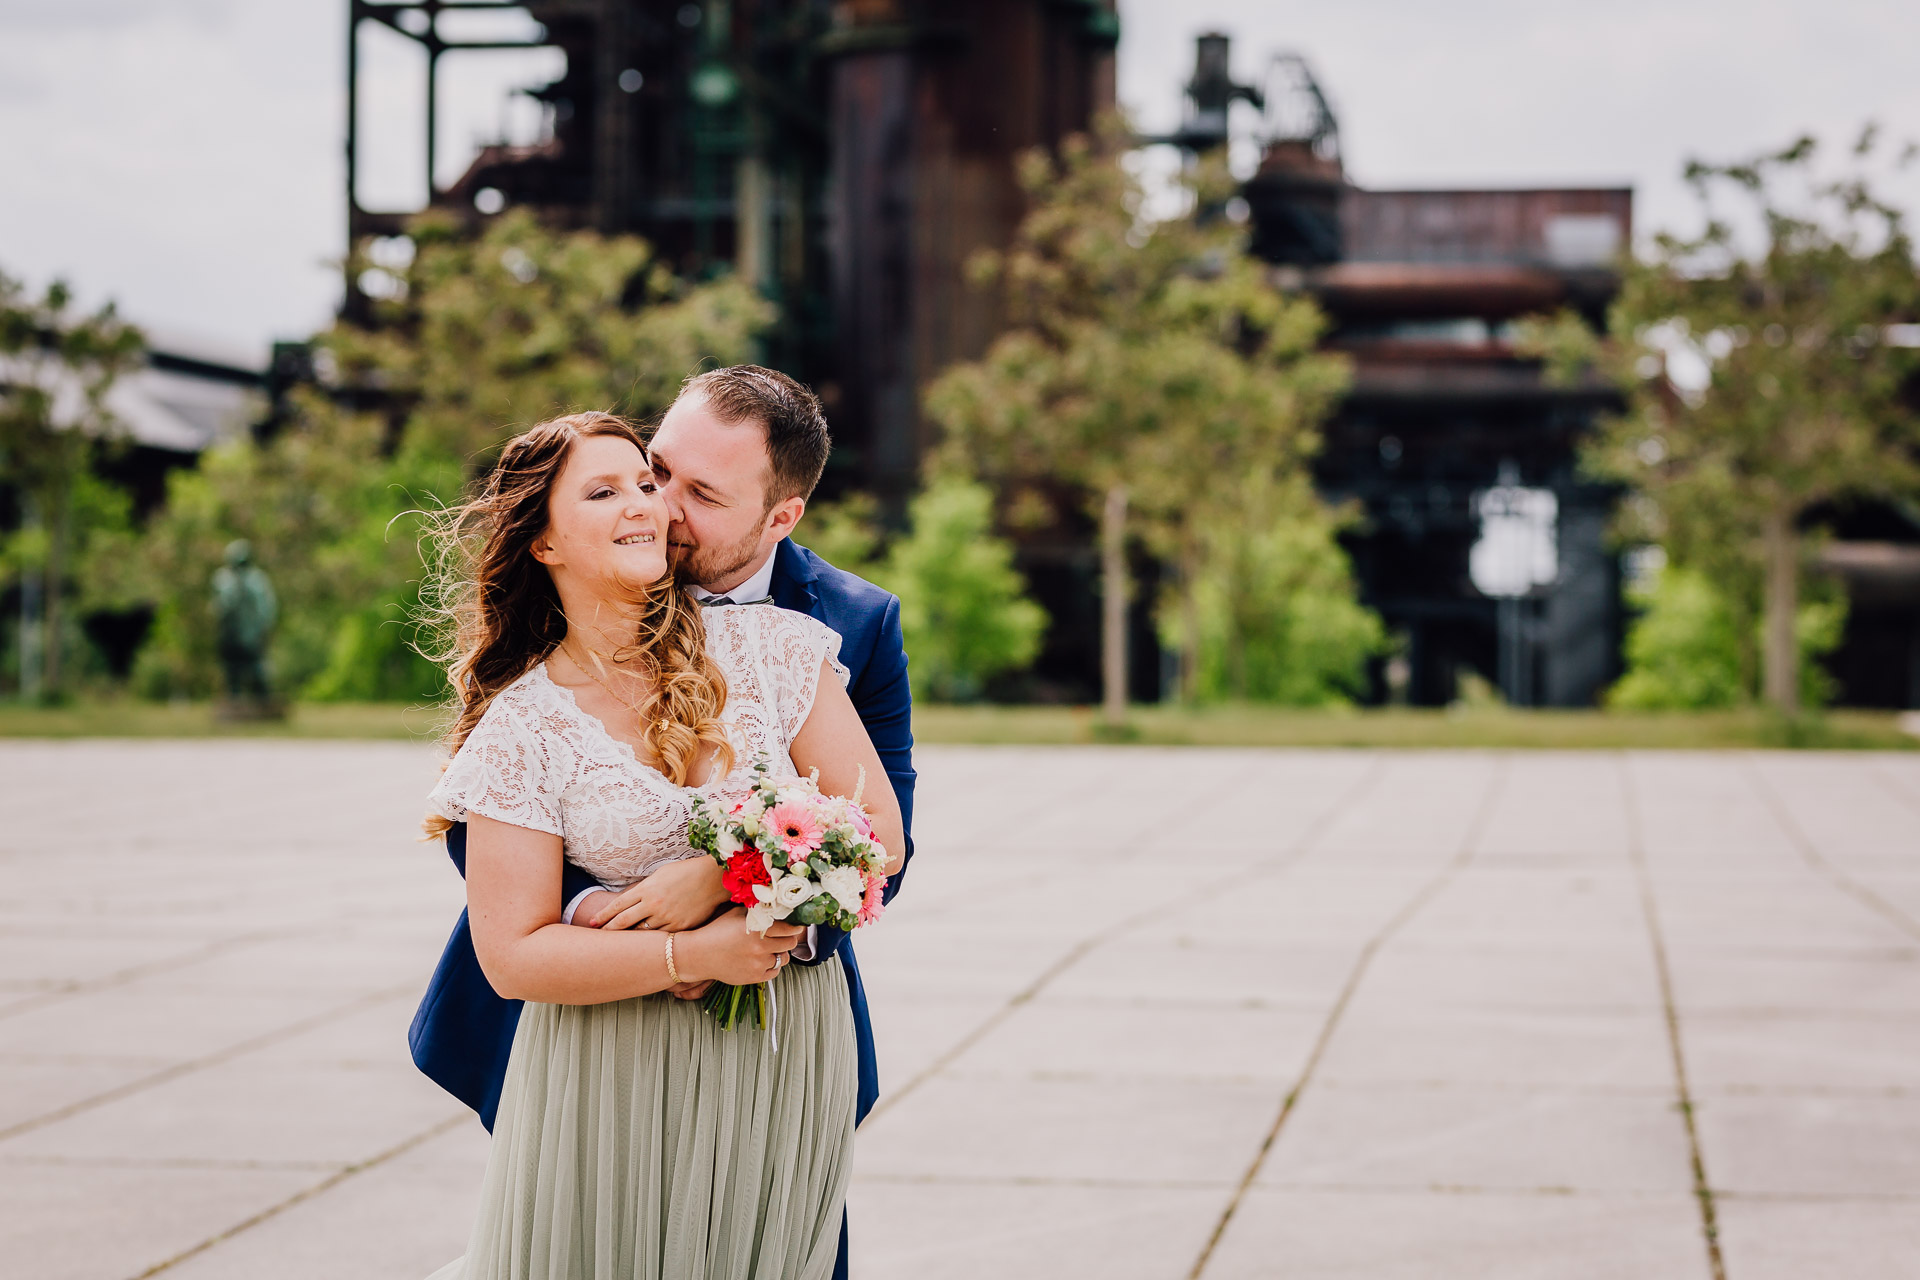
(679, 896)
(727, 951)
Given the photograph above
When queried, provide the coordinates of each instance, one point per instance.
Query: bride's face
(606, 523)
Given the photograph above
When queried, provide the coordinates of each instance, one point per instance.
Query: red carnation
(745, 870)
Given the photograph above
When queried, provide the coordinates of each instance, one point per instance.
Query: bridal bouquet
(790, 853)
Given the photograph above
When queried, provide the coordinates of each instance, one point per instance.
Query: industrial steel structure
(1446, 423)
(847, 158)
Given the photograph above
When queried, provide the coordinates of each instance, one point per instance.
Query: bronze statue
(244, 610)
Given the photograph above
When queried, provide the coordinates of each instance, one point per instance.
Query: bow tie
(714, 602)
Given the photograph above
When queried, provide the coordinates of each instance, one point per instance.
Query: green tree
(474, 339)
(1688, 649)
(1146, 362)
(1762, 383)
(964, 611)
(56, 368)
(1274, 605)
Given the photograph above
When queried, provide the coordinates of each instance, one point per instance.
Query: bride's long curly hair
(498, 612)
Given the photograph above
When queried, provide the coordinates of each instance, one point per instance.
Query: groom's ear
(784, 516)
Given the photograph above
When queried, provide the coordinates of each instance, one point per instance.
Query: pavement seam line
(1079, 950)
(1475, 829)
(324, 1185)
(41, 999)
(213, 1059)
(1650, 909)
(1803, 844)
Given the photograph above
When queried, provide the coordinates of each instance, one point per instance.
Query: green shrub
(1278, 618)
(487, 336)
(1685, 651)
(963, 606)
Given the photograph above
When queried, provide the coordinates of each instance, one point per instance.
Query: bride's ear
(543, 551)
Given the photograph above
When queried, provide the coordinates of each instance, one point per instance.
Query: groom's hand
(679, 896)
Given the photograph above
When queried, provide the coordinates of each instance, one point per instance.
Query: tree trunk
(32, 632)
(1190, 621)
(1781, 657)
(55, 579)
(1113, 606)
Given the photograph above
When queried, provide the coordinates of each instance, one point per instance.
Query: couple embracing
(637, 631)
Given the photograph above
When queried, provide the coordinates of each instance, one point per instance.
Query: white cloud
(1511, 93)
(185, 156)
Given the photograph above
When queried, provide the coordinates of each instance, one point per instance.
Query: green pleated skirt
(641, 1141)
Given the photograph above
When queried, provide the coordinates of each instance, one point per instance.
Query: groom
(736, 458)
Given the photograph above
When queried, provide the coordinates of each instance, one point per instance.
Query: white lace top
(537, 760)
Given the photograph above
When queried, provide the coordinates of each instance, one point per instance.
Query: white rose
(796, 793)
(789, 892)
(846, 884)
(797, 868)
(750, 822)
(760, 917)
(729, 843)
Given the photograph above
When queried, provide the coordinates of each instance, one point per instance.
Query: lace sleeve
(500, 772)
(793, 645)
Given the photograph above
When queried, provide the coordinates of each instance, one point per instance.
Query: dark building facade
(1422, 289)
(846, 156)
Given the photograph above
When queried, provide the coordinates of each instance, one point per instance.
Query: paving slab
(1392, 1042)
(1416, 1236)
(943, 1230)
(1445, 959)
(1050, 1128)
(400, 1221)
(1504, 1139)
(1772, 1239)
(1797, 1052)
(1813, 1146)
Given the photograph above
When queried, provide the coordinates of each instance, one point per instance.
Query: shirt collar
(757, 587)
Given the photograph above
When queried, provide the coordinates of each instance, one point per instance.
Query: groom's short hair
(797, 439)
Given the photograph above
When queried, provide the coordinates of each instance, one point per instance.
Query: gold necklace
(587, 671)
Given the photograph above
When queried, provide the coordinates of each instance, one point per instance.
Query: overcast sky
(185, 156)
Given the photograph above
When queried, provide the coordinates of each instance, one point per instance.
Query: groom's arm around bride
(726, 436)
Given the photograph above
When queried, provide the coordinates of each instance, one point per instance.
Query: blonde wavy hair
(498, 613)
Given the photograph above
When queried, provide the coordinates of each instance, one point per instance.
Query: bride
(636, 1137)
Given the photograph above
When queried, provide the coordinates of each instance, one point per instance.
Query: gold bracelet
(673, 975)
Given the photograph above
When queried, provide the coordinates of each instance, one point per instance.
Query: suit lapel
(793, 579)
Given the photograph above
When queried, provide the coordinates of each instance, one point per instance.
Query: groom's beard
(705, 566)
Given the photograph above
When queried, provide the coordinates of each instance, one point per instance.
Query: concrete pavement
(1142, 1013)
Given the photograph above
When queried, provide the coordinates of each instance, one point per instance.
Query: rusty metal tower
(846, 156)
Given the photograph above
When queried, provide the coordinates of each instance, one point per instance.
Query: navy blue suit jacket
(463, 1032)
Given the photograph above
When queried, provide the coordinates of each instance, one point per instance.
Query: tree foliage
(963, 606)
(57, 366)
(1763, 383)
(1275, 611)
(1146, 363)
(1690, 648)
(477, 338)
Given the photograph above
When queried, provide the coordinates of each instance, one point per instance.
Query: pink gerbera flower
(795, 827)
(875, 901)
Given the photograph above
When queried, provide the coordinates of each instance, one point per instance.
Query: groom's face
(714, 476)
